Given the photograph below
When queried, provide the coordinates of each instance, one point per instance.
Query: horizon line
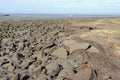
(61, 13)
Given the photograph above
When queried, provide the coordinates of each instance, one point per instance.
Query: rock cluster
(44, 50)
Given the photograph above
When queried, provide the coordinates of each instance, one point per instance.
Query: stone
(10, 68)
(66, 66)
(79, 56)
(83, 74)
(78, 46)
(38, 54)
(24, 64)
(60, 53)
(73, 45)
(53, 69)
(93, 49)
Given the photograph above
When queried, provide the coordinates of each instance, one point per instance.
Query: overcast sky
(60, 6)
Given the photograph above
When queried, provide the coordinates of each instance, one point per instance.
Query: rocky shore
(60, 49)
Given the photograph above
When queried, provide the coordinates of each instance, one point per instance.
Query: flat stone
(38, 54)
(25, 63)
(67, 68)
(69, 42)
(79, 56)
(9, 67)
(61, 53)
(34, 70)
(83, 74)
(78, 46)
(93, 49)
(73, 45)
(52, 69)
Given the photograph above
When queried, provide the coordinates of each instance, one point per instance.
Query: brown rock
(73, 45)
(83, 74)
(61, 53)
(93, 49)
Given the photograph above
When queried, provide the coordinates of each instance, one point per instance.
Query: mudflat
(60, 49)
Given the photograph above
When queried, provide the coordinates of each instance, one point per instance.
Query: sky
(60, 6)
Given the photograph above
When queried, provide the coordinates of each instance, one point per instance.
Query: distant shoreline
(4, 17)
(57, 15)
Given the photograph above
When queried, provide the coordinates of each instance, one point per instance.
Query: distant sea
(54, 15)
